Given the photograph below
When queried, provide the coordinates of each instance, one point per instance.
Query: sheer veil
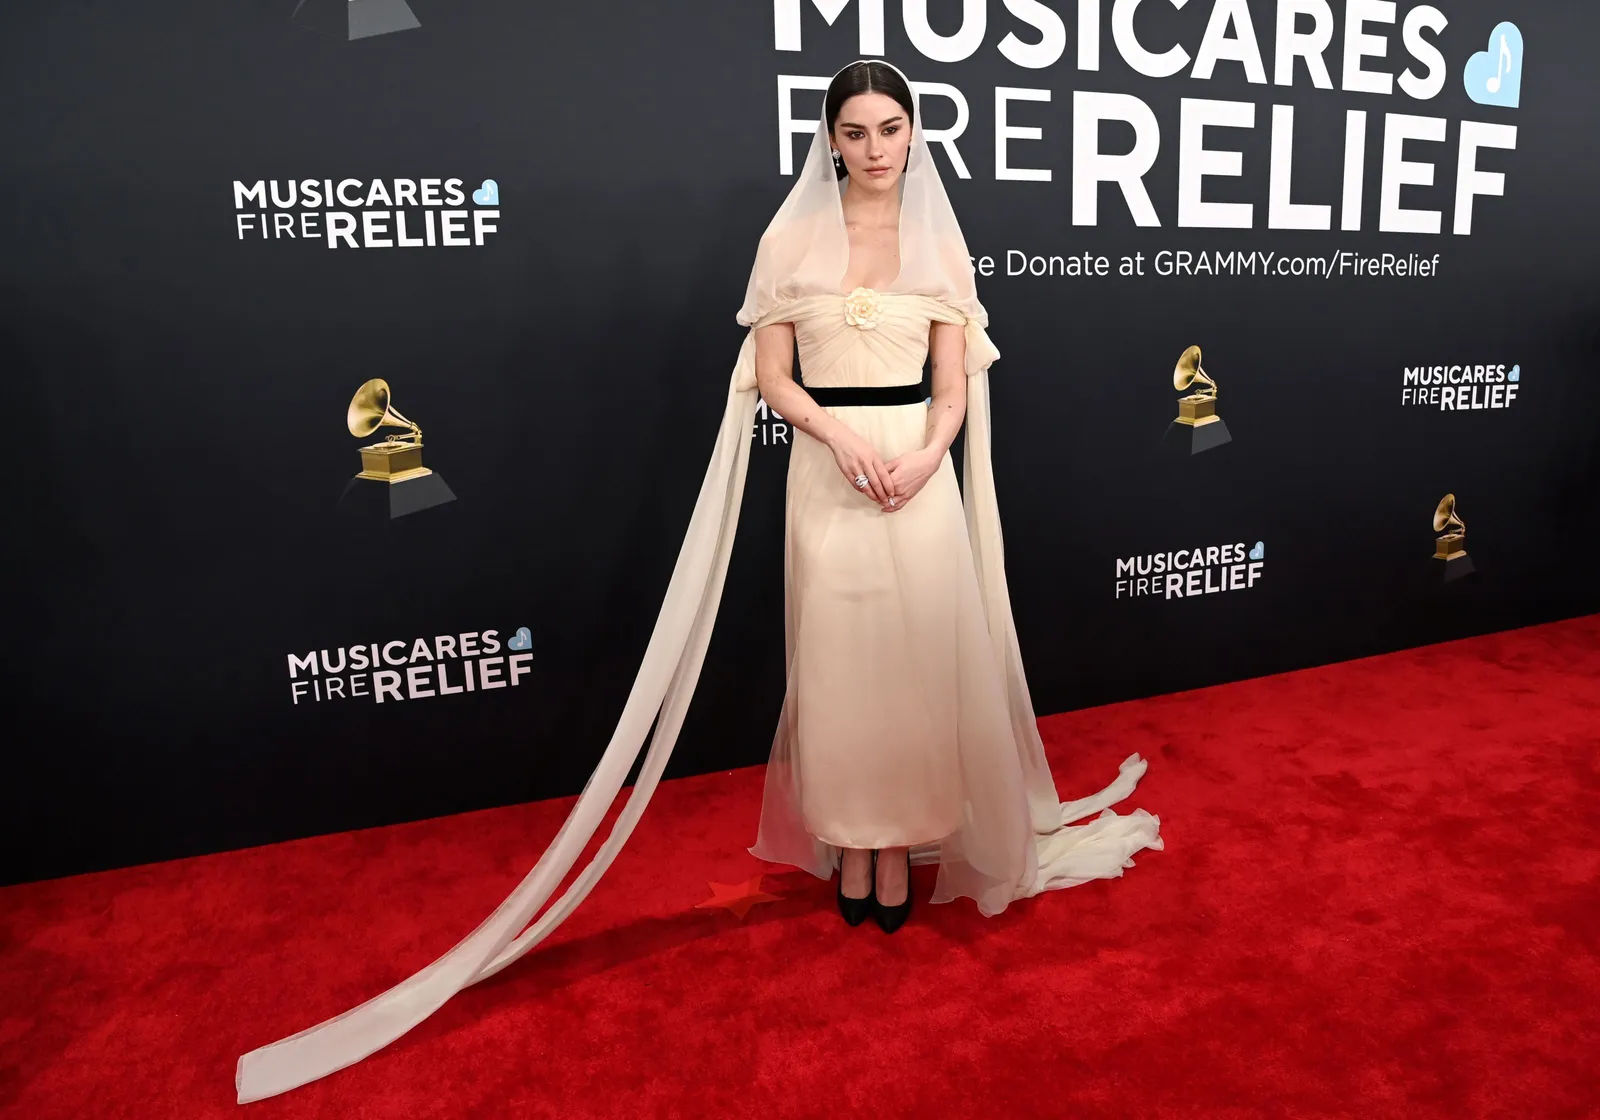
(1019, 838)
(806, 248)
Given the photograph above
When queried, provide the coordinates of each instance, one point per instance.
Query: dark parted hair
(870, 76)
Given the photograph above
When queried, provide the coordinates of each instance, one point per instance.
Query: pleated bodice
(873, 338)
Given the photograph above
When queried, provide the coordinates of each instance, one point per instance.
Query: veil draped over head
(806, 248)
(1018, 839)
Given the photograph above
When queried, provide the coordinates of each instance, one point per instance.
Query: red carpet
(1378, 899)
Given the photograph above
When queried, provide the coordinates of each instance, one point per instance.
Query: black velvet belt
(834, 395)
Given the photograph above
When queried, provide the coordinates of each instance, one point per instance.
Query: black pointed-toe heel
(855, 910)
(891, 918)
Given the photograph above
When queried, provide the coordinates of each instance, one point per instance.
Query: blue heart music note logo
(1515, 374)
(522, 639)
(1494, 76)
(488, 194)
(1259, 551)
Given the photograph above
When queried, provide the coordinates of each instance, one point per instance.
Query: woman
(907, 728)
(864, 725)
(906, 723)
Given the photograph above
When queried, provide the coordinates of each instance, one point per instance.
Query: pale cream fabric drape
(804, 251)
(664, 684)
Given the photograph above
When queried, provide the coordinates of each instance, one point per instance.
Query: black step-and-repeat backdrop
(1297, 301)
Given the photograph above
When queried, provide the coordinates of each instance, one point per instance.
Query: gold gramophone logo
(1200, 406)
(397, 458)
(1450, 547)
(1452, 542)
(1197, 426)
(392, 481)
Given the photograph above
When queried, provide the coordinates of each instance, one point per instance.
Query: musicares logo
(1459, 388)
(1062, 86)
(366, 214)
(412, 670)
(1187, 572)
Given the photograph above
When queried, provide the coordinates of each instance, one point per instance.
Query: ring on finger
(861, 481)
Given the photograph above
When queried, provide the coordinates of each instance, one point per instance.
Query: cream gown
(906, 718)
(871, 640)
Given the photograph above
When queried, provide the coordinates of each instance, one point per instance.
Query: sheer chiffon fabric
(1012, 836)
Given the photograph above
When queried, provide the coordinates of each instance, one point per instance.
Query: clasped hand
(901, 478)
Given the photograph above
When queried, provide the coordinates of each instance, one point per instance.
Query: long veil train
(1062, 854)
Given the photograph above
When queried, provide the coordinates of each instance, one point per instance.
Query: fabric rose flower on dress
(863, 308)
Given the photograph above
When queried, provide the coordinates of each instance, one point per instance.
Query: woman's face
(873, 135)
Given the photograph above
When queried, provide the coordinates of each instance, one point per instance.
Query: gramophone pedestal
(1191, 439)
(1454, 568)
(371, 499)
